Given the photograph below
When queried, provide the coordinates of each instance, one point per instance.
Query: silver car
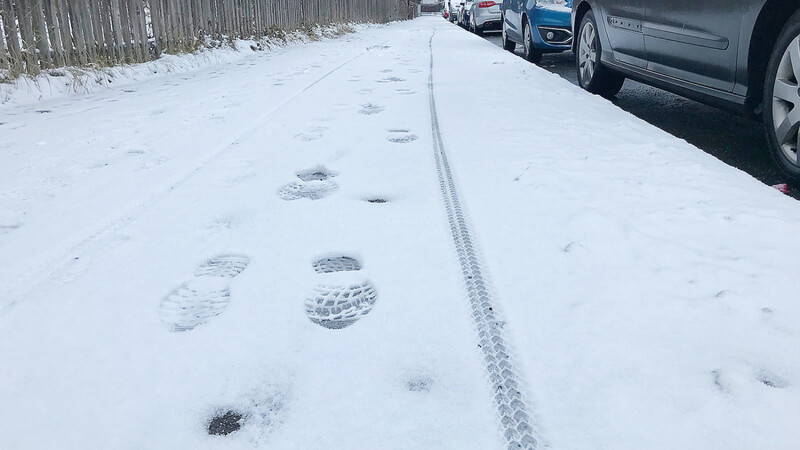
(485, 15)
(463, 12)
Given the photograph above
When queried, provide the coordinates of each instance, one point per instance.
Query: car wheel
(531, 53)
(478, 30)
(592, 75)
(508, 44)
(782, 100)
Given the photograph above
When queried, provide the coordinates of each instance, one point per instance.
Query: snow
(649, 290)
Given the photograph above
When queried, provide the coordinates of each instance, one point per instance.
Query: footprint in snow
(772, 380)
(317, 173)
(6, 228)
(204, 297)
(339, 306)
(419, 383)
(391, 80)
(401, 136)
(311, 134)
(342, 300)
(331, 264)
(313, 190)
(369, 109)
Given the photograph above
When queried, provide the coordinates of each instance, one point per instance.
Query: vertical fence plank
(51, 16)
(40, 34)
(60, 10)
(141, 25)
(5, 59)
(133, 23)
(107, 23)
(12, 37)
(26, 32)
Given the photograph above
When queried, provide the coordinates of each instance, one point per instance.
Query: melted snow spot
(225, 424)
(336, 307)
(336, 264)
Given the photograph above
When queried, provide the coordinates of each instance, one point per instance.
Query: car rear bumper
(488, 17)
(490, 24)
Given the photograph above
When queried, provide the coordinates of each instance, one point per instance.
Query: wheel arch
(774, 15)
(580, 11)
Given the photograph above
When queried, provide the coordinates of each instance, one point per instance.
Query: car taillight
(486, 4)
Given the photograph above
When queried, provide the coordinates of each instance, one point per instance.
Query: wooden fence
(42, 34)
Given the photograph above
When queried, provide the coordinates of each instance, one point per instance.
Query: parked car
(449, 10)
(485, 15)
(463, 13)
(742, 55)
(541, 26)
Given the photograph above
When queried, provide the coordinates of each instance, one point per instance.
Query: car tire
(530, 52)
(782, 100)
(478, 30)
(508, 44)
(592, 74)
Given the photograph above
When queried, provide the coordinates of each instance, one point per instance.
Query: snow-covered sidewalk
(180, 249)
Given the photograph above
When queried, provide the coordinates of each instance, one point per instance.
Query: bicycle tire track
(514, 417)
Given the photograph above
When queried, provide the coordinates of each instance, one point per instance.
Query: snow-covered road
(269, 238)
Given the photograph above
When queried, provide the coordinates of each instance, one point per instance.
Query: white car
(449, 10)
(485, 15)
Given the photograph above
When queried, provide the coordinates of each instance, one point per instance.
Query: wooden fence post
(12, 38)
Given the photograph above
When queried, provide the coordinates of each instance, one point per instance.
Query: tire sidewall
(527, 38)
(788, 34)
(588, 18)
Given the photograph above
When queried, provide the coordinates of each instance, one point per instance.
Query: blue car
(541, 26)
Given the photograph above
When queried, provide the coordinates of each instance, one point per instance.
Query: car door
(694, 40)
(622, 20)
(511, 16)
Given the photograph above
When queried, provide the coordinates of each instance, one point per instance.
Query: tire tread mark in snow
(506, 383)
(60, 260)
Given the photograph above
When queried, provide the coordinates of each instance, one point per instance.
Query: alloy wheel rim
(587, 53)
(786, 102)
(527, 40)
